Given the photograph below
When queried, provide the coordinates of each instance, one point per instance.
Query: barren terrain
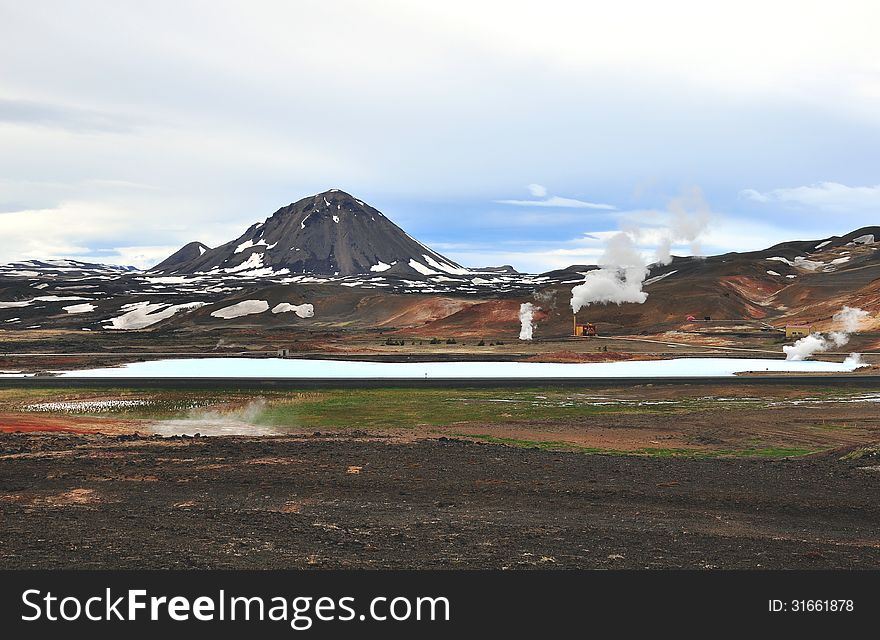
(646, 477)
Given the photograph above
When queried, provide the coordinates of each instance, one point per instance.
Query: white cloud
(554, 202)
(559, 203)
(828, 196)
(140, 257)
(91, 232)
(191, 129)
(725, 234)
(537, 190)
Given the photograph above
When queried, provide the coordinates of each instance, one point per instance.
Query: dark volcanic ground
(357, 502)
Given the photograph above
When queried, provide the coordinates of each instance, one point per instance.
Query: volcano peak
(330, 233)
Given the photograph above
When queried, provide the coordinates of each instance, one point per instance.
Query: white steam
(851, 318)
(623, 267)
(806, 347)
(526, 320)
(847, 320)
(855, 361)
(224, 421)
(619, 280)
(690, 216)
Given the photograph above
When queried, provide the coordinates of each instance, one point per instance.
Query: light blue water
(294, 368)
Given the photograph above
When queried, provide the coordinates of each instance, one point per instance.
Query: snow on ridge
(445, 266)
(799, 261)
(80, 308)
(247, 244)
(144, 314)
(381, 266)
(169, 279)
(868, 238)
(305, 310)
(254, 261)
(659, 278)
(26, 303)
(418, 266)
(59, 298)
(244, 308)
(810, 265)
(822, 244)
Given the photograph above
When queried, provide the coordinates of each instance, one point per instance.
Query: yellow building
(588, 329)
(793, 331)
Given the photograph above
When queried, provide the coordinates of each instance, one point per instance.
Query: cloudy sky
(498, 132)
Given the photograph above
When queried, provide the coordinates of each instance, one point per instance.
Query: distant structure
(794, 331)
(583, 330)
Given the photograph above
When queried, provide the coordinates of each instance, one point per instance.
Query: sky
(518, 133)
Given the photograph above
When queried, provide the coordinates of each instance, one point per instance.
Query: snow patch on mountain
(305, 310)
(144, 314)
(658, 278)
(245, 308)
(418, 266)
(80, 308)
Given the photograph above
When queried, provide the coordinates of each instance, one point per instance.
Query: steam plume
(624, 269)
(848, 319)
(526, 315)
(619, 280)
(690, 219)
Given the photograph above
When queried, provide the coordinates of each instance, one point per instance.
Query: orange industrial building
(583, 330)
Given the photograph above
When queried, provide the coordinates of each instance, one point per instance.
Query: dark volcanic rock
(331, 233)
(183, 256)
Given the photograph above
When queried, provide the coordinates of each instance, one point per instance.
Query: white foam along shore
(344, 369)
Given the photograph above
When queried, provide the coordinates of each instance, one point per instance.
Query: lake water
(342, 369)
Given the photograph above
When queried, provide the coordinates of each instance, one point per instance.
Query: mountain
(328, 234)
(62, 268)
(331, 263)
(183, 256)
(799, 282)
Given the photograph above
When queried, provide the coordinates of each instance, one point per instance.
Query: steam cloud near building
(847, 320)
(623, 267)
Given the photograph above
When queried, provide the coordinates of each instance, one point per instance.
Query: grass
(405, 408)
(834, 427)
(386, 408)
(861, 452)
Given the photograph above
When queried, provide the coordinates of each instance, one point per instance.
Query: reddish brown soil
(494, 318)
(425, 310)
(35, 422)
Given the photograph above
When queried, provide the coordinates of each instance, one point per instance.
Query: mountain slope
(331, 233)
(183, 256)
